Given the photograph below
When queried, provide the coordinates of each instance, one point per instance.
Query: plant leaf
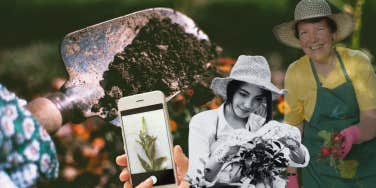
(152, 148)
(144, 164)
(158, 163)
(139, 142)
(326, 136)
(348, 168)
(148, 145)
(143, 128)
(143, 142)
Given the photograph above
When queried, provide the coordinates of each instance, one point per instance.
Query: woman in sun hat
(248, 94)
(333, 89)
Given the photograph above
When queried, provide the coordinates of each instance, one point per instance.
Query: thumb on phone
(181, 162)
(146, 184)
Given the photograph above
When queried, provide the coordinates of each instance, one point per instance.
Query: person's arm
(212, 169)
(294, 116)
(362, 132)
(292, 172)
(364, 83)
(199, 144)
(33, 155)
(294, 109)
(367, 126)
(46, 113)
(217, 160)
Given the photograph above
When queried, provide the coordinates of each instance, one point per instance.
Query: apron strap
(342, 67)
(315, 73)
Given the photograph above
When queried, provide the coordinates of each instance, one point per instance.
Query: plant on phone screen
(148, 145)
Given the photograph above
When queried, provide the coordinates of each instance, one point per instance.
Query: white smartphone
(147, 138)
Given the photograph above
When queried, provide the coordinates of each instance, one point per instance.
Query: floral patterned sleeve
(26, 150)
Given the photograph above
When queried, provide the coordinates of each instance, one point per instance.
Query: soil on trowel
(161, 57)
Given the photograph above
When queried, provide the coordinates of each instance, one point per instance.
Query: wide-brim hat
(307, 9)
(249, 69)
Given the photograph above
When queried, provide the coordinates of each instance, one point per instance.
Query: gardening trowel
(86, 54)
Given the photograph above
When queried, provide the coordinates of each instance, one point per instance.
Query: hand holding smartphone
(147, 140)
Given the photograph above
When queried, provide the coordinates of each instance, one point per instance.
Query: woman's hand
(224, 152)
(261, 110)
(181, 162)
(215, 163)
(351, 135)
(232, 150)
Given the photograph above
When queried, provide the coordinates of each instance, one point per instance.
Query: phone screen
(147, 144)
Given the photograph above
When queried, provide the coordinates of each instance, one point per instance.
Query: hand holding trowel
(87, 54)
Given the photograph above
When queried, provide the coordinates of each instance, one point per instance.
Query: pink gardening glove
(292, 182)
(351, 135)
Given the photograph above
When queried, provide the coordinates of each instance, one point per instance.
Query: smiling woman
(316, 39)
(244, 99)
(331, 89)
(214, 135)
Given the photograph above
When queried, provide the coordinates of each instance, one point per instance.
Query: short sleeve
(294, 110)
(26, 147)
(198, 146)
(364, 82)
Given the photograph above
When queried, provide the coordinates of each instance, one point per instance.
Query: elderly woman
(213, 134)
(333, 89)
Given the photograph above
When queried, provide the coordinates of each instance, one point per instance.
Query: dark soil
(161, 57)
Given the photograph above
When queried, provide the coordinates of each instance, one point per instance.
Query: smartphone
(147, 138)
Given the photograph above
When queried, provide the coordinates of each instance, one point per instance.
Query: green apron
(335, 110)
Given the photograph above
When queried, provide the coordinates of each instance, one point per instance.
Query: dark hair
(234, 85)
(332, 24)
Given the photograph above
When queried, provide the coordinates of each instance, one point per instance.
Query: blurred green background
(32, 29)
(30, 64)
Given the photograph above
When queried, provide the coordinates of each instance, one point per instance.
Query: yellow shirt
(301, 84)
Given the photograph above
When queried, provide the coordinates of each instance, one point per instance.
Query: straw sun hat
(249, 69)
(307, 9)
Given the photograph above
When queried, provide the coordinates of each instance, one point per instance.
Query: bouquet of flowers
(249, 159)
(257, 161)
(331, 150)
(262, 160)
(332, 145)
